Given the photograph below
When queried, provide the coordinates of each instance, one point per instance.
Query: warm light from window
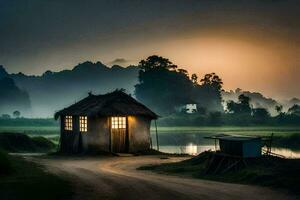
(118, 122)
(68, 123)
(83, 123)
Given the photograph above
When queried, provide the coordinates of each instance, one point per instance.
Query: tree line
(163, 87)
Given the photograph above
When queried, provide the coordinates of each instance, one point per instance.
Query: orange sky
(256, 64)
(253, 45)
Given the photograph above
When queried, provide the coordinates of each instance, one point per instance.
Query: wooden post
(157, 144)
(151, 145)
(215, 144)
(271, 140)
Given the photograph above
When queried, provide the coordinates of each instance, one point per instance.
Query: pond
(194, 149)
(191, 141)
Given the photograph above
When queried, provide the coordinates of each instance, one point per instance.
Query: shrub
(5, 164)
(16, 142)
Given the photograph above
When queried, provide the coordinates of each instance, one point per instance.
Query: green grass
(49, 132)
(5, 164)
(29, 181)
(32, 130)
(17, 142)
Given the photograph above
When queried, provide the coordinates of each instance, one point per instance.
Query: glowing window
(118, 122)
(68, 123)
(83, 123)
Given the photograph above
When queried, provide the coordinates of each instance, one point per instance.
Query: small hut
(113, 122)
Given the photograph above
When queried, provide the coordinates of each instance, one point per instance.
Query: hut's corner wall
(139, 133)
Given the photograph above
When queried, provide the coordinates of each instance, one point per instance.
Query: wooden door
(118, 138)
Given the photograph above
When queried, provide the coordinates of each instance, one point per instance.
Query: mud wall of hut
(139, 133)
(98, 135)
(95, 139)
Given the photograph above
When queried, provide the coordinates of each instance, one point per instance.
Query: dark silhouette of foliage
(258, 100)
(215, 118)
(294, 110)
(12, 97)
(242, 107)
(278, 109)
(212, 80)
(54, 90)
(194, 79)
(16, 114)
(261, 115)
(156, 63)
(208, 92)
(161, 87)
(5, 116)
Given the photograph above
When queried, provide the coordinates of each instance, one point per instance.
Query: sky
(253, 45)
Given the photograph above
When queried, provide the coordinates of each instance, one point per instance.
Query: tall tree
(16, 114)
(294, 110)
(278, 109)
(194, 79)
(208, 92)
(241, 107)
(156, 63)
(161, 87)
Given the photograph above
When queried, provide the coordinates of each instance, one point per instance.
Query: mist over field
(55, 90)
(41, 95)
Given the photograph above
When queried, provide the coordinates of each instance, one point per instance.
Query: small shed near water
(244, 146)
(236, 145)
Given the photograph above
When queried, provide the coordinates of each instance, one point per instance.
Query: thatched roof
(116, 103)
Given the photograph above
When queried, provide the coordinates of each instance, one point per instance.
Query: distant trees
(5, 116)
(278, 109)
(194, 79)
(294, 110)
(156, 63)
(16, 114)
(162, 86)
(208, 92)
(261, 115)
(12, 97)
(241, 107)
(243, 113)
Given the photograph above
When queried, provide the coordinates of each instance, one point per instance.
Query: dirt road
(117, 178)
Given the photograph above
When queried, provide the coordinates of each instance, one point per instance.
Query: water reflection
(288, 153)
(190, 149)
(193, 149)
